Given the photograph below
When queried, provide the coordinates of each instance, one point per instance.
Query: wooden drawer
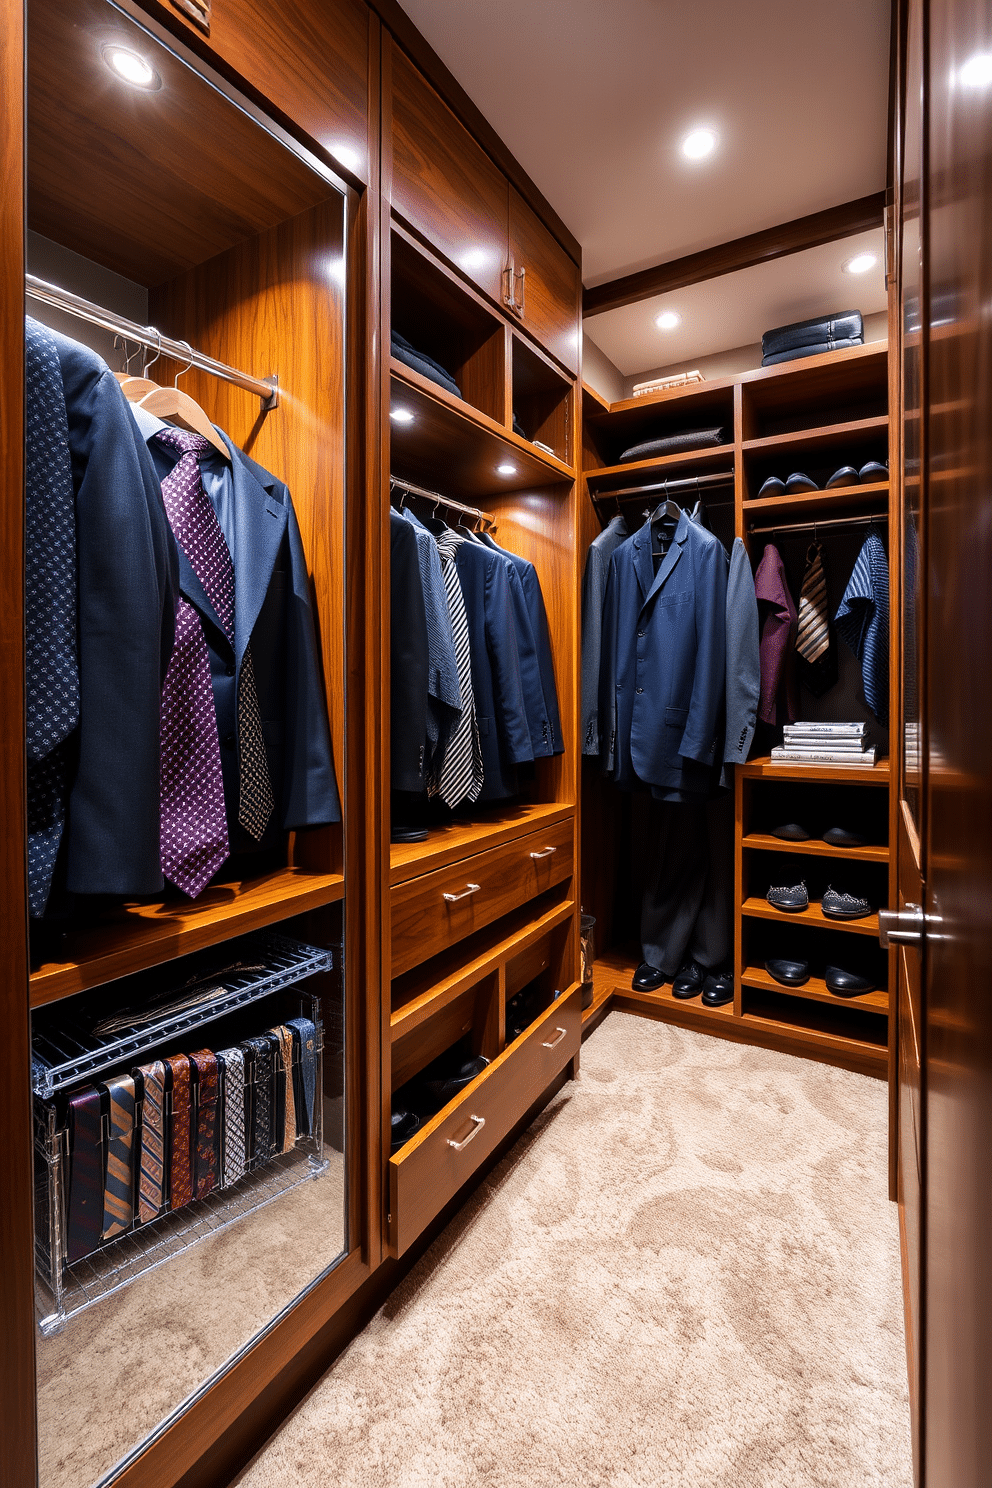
(430, 1170)
(484, 887)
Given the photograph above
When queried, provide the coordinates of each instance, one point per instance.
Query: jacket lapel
(259, 527)
(670, 559)
(643, 566)
(193, 590)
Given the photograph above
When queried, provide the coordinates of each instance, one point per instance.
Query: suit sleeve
(593, 586)
(408, 661)
(530, 669)
(128, 585)
(608, 669)
(511, 711)
(311, 790)
(743, 657)
(710, 678)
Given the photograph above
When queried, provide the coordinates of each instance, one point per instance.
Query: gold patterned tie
(151, 1177)
(118, 1188)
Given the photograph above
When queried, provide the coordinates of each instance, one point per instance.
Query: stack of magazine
(825, 744)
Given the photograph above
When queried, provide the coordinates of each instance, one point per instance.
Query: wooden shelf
(450, 440)
(699, 397)
(816, 377)
(760, 909)
(814, 848)
(440, 990)
(827, 436)
(764, 768)
(719, 454)
(867, 1055)
(613, 971)
(815, 989)
(138, 936)
(817, 503)
(602, 993)
(459, 839)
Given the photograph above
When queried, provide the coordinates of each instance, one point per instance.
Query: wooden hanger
(177, 407)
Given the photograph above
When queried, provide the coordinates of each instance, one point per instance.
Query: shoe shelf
(718, 457)
(826, 438)
(856, 1047)
(816, 503)
(760, 909)
(815, 989)
(459, 839)
(765, 768)
(139, 936)
(765, 842)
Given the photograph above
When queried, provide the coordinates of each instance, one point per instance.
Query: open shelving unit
(812, 414)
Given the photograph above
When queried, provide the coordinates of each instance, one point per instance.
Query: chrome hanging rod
(439, 500)
(62, 299)
(689, 483)
(821, 526)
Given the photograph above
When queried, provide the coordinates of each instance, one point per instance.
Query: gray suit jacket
(601, 550)
(743, 657)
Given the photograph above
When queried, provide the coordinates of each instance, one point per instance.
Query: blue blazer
(663, 673)
(537, 668)
(272, 610)
(128, 582)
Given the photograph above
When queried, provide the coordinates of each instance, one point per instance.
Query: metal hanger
(135, 388)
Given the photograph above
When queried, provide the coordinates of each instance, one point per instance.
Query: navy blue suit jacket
(272, 610)
(663, 676)
(537, 668)
(128, 583)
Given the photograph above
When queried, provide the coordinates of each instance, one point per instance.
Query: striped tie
(151, 1178)
(233, 1061)
(118, 1188)
(461, 775)
(813, 635)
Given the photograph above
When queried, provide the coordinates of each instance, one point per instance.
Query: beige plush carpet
(685, 1275)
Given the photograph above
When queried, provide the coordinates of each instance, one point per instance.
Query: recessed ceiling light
(977, 71)
(860, 263)
(699, 143)
(667, 320)
(401, 415)
(506, 469)
(131, 67)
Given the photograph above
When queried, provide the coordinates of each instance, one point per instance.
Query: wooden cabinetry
(543, 284)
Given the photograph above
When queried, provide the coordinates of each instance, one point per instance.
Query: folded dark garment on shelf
(674, 444)
(422, 363)
(807, 351)
(847, 326)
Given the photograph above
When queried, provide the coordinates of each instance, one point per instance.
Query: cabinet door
(549, 294)
(444, 185)
(309, 60)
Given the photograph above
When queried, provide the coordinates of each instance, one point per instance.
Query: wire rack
(69, 1047)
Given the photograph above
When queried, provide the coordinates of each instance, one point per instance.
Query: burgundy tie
(194, 839)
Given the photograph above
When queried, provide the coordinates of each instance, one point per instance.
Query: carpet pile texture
(685, 1275)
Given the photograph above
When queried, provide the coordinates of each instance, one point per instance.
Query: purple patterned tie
(194, 839)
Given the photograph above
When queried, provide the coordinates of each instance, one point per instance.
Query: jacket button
(640, 689)
(640, 632)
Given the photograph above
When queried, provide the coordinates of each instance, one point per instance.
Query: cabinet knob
(470, 889)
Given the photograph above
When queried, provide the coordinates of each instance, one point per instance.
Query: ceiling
(736, 309)
(594, 96)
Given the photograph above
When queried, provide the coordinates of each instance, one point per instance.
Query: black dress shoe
(873, 471)
(791, 832)
(847, 983)
(773, 486)
(789, 973)
(403, 1125)
(799, 482)
(437, 1092)
(841, 837)
(647, 978)
(845, 476)
(408, 834)
(689, 981)
(792, 898)
(718, 988)
(839, 906)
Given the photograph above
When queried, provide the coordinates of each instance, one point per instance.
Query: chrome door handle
(553, 1044)
(545, 854)
(521, 307)
(470, 889)
(508, 277)
(901, 927)
(478, 1122)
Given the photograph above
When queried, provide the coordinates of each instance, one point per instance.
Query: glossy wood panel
(551, 291)
(104, 157)
(273, 50)
(459, 839)
(17, 1386)
(443, 184)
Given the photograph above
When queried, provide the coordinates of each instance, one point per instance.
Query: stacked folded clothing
(660, 384)
(674, 444)
(812, 337)
(422, 363)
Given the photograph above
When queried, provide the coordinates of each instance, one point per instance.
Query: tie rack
(72, 304)
(439, 500)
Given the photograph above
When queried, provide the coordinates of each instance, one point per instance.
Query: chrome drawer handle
(545, 854)
(553, 1044)
(454, 898)
(478, 1122)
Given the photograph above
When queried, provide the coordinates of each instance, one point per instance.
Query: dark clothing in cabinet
(534, 647)
(128, 579)
(408, 659)
(273, 611)
(687, 907)
(601, 550)
(663, 676)
(743, 657)
(444, 703)
(779, 624)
